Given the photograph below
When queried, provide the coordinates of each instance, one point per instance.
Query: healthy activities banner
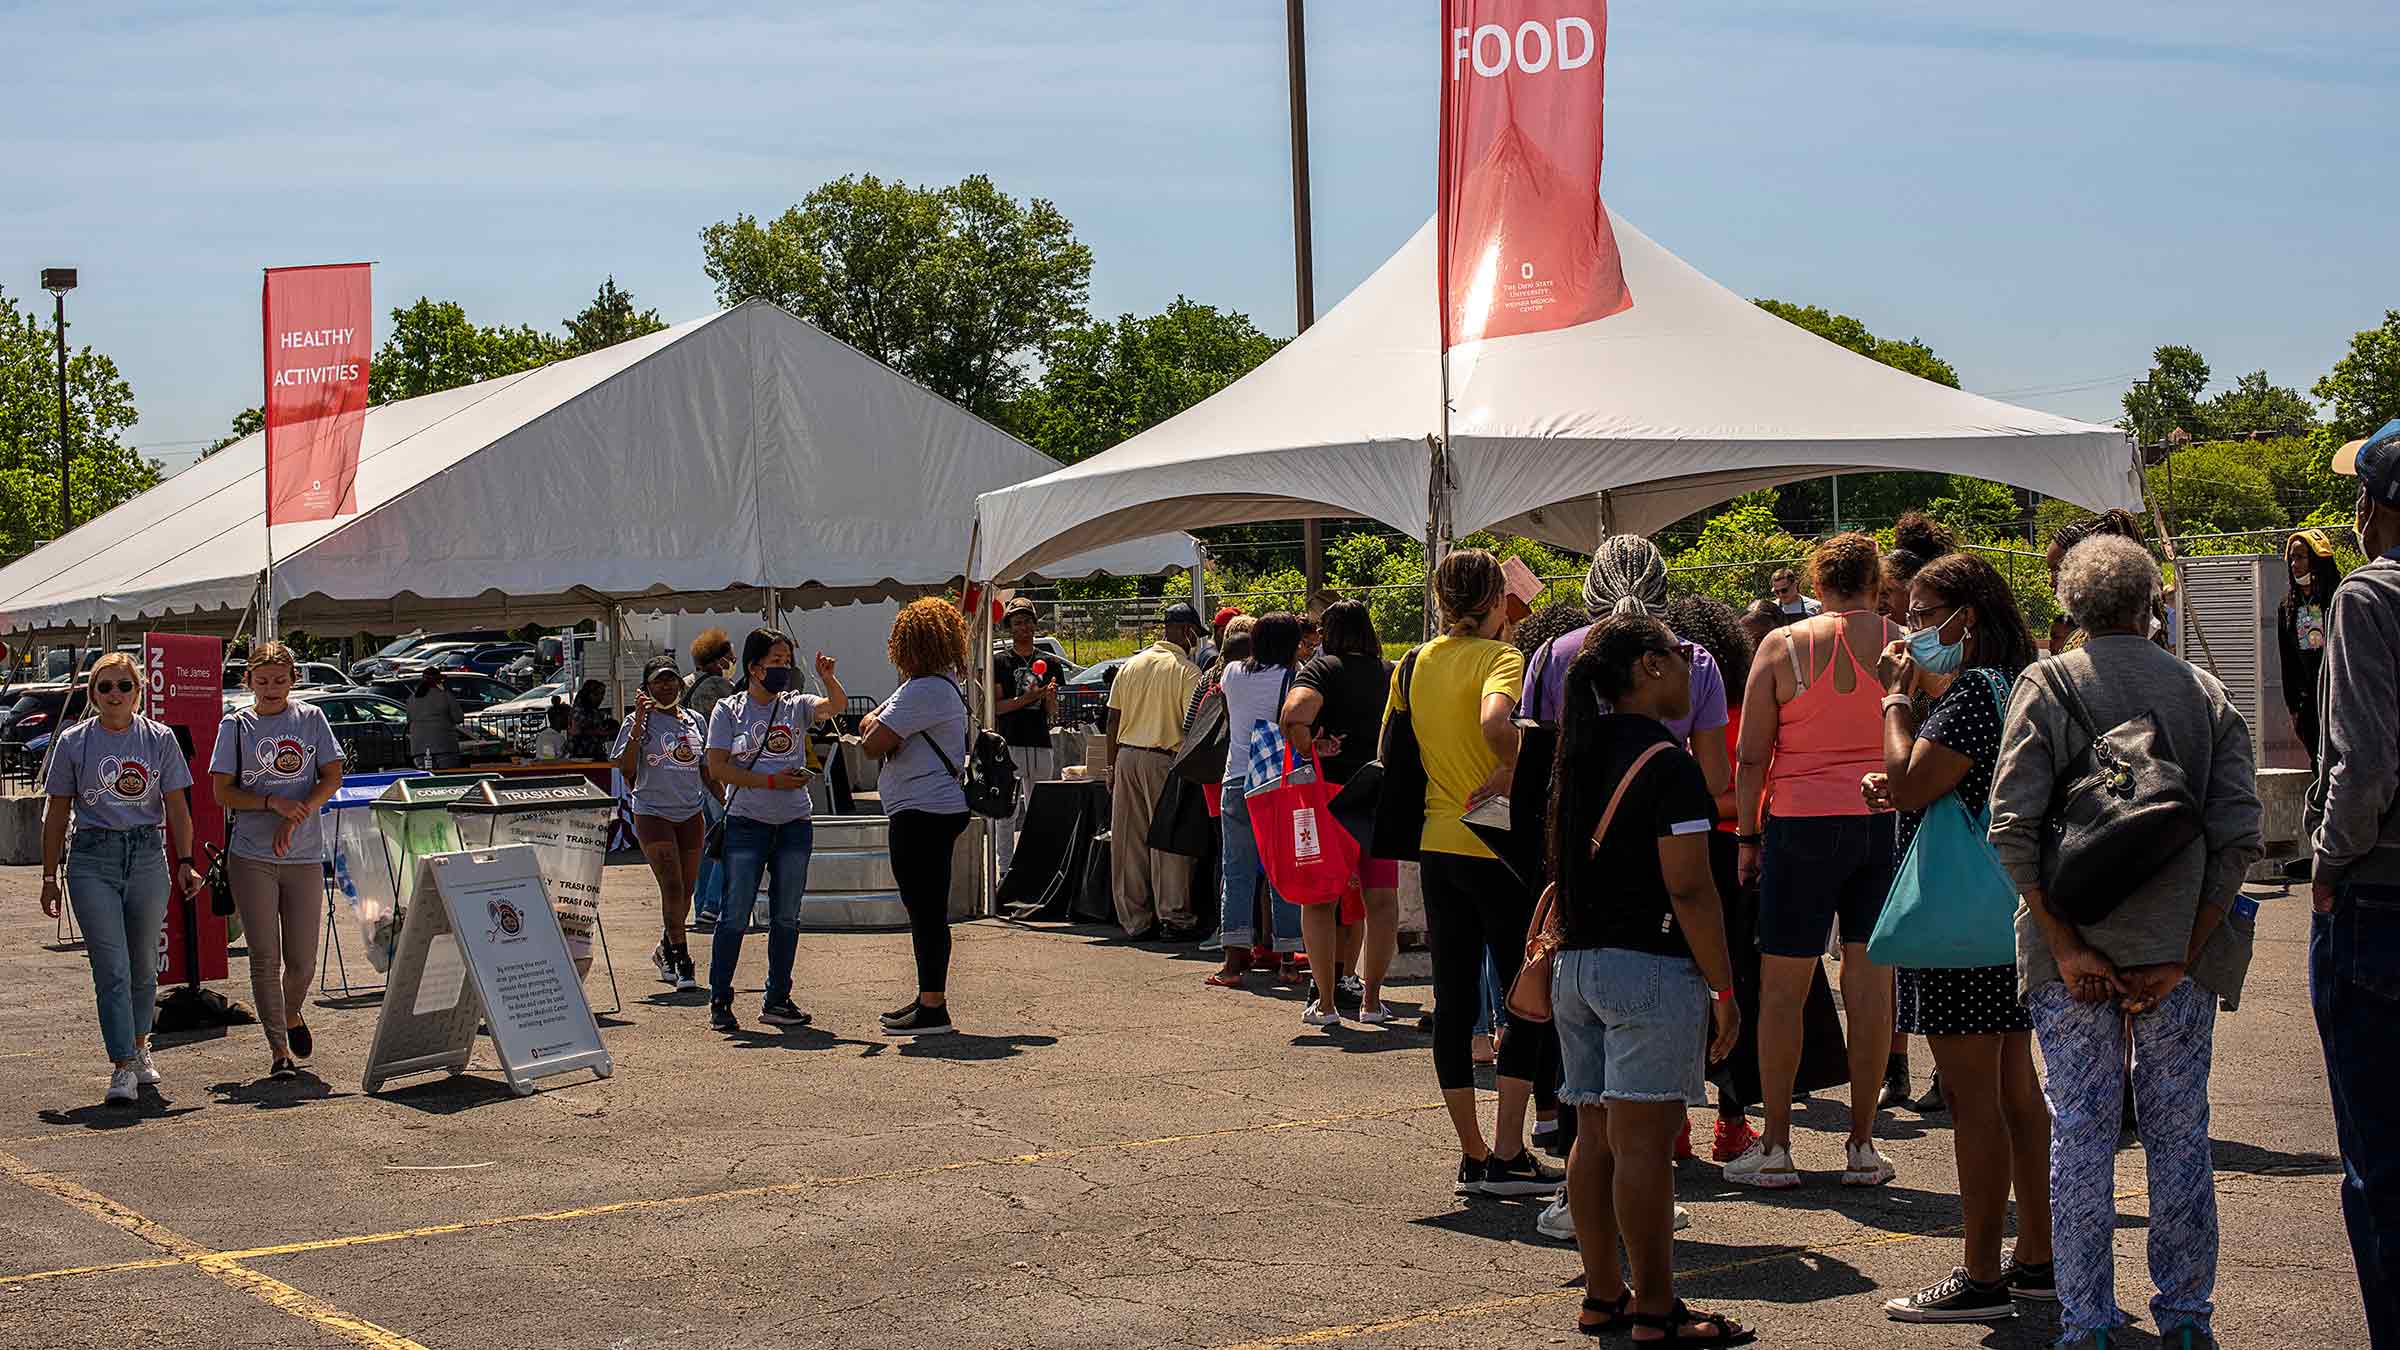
(319, 329)
(1525, 242)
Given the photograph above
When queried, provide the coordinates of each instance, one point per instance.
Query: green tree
(1912, 355)
(1976, 505)
(2216, 487)
(1807, 507)
(1108, 381)
(608, 320)
(246, 422)
(960, 288)
(103, 470)
(2255, 407)
(1737, 552)
(432, 346)
(2363, 388)
(2168, 397)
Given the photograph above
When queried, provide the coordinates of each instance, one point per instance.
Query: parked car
(1046, 648)
(519, 720)
(474, 692)
(379, 666)
(310, 675)
(33, 715)
(1083, 699)
(486, 659)
(373, 730)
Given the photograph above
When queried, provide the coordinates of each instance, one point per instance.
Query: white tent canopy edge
(1693, 396)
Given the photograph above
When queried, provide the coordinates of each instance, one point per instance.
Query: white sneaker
(1763, 1167)
(1376, 1017)
(1317, 1015)
(145, 1069)
(1352, 984)
(1558, 1221)
(124, 1085)
(1867, 1167)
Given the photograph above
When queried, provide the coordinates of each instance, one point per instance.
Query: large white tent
(1692, 396)
(735, 462)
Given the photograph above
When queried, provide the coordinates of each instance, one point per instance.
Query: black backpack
(990, 778)
(2124, 809)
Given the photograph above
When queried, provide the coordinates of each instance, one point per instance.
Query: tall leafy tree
(2255, 406)
(246, 422)
(103, 470)
(1113, 379)
(2168, 398)
(608, 320)
(1911, 355)
(1807, 508)
(961, 288)
(432, 346)
(2363, 388)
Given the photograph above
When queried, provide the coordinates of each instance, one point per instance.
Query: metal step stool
(850, 882)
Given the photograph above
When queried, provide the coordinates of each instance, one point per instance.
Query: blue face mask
(1934, 656)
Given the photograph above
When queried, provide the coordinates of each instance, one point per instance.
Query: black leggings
(1474, 906)
(920, 843)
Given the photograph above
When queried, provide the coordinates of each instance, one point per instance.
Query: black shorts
(1819, 869)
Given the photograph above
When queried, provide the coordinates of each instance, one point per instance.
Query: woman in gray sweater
(2155, 968)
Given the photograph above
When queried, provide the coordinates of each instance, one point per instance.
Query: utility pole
(1304, 264)
(58, 281)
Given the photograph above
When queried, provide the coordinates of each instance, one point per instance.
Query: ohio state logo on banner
(1525, 243)
(319, 329)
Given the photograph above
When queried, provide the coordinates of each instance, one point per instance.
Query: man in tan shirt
(1145, 729)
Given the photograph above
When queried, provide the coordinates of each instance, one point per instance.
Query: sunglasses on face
(112, 686)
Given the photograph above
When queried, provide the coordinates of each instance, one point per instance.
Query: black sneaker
(283, 1067)
(1895, 1083)
(1932, 1103)
(1471, 1172)
(921, 1021)
(304, 1045)
(1957, 1299)
(899, 1014)
(2039, 1283)
(686, 978)
(720, 1017)
(782, 1013)
(1520, 1175)
(662, 960)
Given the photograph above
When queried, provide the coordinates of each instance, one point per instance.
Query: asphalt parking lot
(1109, 1154)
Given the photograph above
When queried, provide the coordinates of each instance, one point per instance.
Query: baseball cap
(1021, 605)
(2317, 542)
(1179, 612)
(1225, 616)
(660, 663)
(2375, 462)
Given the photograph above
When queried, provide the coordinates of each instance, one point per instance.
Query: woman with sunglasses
(121, 778)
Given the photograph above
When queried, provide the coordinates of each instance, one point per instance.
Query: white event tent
(1692, 396)
(744, 461)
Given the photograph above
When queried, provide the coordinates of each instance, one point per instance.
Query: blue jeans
(1492, 995)
(708, 890)
(752, 850)
(1243, 881)
(2354, 981)
(117, 881)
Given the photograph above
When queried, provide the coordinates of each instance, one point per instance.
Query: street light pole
(58, 281)
(1304, 265)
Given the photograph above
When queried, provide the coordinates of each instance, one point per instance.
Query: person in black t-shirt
(1642, 968)
(1336, 708)
(1026, 701)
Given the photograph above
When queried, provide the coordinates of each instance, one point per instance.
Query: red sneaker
(1683, 1141)
(1734, 1139)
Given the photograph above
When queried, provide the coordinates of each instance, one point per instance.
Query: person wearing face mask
(2300, 626)
(1966, 646)
(758, 748)
(659, 751)
(122, 779)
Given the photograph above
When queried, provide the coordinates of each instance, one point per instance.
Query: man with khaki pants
(1145, 729)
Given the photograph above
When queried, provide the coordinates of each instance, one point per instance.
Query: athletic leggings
(283, 913)
(920, 844)
(1475, 907)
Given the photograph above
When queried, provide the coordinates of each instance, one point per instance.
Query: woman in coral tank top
(1812, 727)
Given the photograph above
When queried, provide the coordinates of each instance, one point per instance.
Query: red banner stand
(183, 681)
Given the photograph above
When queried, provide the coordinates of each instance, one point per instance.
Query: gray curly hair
(1627, 577)
(2108, 584)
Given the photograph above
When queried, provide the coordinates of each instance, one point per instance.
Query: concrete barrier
(21, 830)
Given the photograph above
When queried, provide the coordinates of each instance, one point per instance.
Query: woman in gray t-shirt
(122, 779)
(275, 766)
(921, 735)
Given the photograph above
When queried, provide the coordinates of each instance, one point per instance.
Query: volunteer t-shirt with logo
(276, 756)
(119, 780)
(668, 784)
(776, 732)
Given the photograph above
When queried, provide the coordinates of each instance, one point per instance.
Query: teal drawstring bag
(1952, 905)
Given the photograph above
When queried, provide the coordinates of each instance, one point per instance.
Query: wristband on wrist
(1891, 701)
(1750, 840)
(1721, 995)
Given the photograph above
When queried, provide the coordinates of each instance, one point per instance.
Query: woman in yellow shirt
(1461, 697)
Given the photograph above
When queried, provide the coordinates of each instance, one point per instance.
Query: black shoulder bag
(1397, 777)
(714, 845)
(2124, 808)
(220, 875)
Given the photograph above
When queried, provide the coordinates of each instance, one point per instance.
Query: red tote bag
(1308, 856)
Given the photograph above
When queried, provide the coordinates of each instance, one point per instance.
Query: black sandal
(1616, 1315)
(1728, 1331)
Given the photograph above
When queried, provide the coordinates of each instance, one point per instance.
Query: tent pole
(987, 864)
(616, 654)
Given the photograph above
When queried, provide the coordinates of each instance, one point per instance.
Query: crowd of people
(1639, 826)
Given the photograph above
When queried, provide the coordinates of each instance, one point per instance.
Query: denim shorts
(1818, 869)
(1632, 1026)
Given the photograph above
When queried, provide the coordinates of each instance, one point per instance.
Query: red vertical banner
(319, 330)
(1525, 242)
(183, 681)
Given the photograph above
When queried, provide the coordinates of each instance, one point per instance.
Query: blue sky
(2043, 192)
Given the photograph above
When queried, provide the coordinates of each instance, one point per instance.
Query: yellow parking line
(199, 1255)
(219, 1266)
